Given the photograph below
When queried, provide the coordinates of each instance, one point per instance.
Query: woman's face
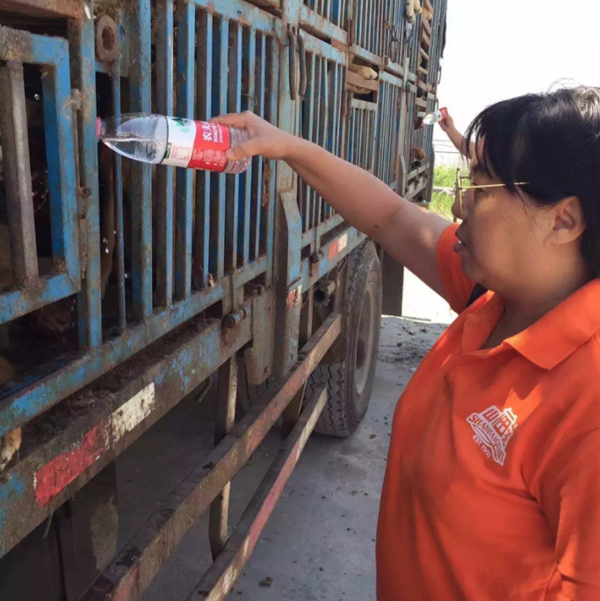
(501, 237)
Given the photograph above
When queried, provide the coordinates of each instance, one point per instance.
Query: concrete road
(319, 543)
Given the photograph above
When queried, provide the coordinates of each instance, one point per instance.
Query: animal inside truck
(128, 290)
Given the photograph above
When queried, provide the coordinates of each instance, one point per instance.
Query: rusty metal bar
(267, 232)
(319, 101)
(323, 128)
(204, 59)
(17, 173)
(313, 22)
(223, 573)
(257, 174)
(141, 173)
(248, 103)
(220, 86)
(164, 174)
(218, 528)
(233, 183)
(118, 202)
(136, 566)
(186, 45)
(89, 301)
(291, 413)
(308, 133)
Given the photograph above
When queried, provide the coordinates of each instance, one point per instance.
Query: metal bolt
(231, 320)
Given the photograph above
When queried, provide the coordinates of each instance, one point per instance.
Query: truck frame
(128, 288)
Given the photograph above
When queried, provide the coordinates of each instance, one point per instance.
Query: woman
(492, 490)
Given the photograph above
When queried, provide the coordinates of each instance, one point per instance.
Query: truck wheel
(350, 381)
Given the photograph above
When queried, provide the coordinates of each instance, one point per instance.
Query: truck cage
(170, 275)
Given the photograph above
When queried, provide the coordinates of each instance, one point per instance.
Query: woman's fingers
(232, 120)
(243, 151)
(264, 139)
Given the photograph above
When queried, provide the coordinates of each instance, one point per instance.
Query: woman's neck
(522, 310)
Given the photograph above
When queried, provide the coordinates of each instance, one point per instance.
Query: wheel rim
(366, 340)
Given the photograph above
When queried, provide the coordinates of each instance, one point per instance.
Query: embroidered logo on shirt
(493, 430)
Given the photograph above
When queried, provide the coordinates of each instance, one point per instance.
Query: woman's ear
(568, 223)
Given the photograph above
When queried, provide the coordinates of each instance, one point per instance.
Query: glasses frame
(460, 190)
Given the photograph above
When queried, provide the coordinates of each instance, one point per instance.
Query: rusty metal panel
(134, 568)
(322, 121)
(68, 374)
(389, 130)
(223, 573)
(334, 12)
(44, 8)
(29, 292)
(13, 124)
(82, 435)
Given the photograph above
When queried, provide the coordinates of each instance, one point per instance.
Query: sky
(498, 49)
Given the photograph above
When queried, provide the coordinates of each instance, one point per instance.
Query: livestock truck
(126, 289)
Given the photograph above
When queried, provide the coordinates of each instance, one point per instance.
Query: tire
(350, 381)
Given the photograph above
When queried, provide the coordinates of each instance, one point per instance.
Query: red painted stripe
(334, 248)
(62, 470)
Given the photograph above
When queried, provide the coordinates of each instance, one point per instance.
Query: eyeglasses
(460, 190)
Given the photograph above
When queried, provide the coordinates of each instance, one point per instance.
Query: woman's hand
(265, 139)
(448, 124)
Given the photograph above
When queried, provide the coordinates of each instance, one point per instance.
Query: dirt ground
(319, 543)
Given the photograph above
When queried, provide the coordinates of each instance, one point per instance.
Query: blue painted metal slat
(271, 114)
(164, 174)
(56, 86)
(203, 179)
(186, 44)
(220, 87)
(261, 91)
(118, 194)
(141, 173)
(248, 103)
(233, 182)
(234, 10)
(83, 76)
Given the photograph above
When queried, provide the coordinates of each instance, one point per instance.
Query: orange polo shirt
(492, 489)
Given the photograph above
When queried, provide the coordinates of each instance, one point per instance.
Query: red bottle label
(211, 143)
(196, 144)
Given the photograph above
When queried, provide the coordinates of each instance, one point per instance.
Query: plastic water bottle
(435, 117)
(173, 141)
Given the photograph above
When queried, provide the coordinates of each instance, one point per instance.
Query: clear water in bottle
(435, 117)
(173, 141)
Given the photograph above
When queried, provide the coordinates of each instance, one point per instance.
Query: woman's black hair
(551, 141)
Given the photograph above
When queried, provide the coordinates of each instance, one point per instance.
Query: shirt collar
(563, 330)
